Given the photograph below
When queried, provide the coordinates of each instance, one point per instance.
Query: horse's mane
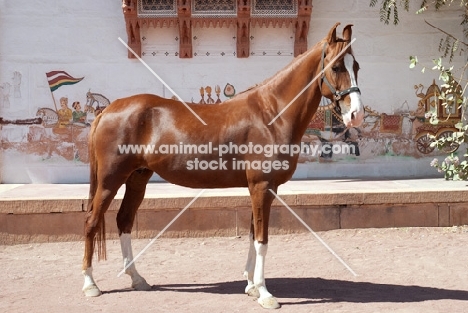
(294, 63)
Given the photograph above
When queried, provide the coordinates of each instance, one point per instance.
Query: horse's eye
(335, 68)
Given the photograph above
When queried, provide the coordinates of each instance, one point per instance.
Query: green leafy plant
(453, 81)
(389, 9)
(452, 96)
(452, 168)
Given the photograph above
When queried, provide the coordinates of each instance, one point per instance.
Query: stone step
(56, 212)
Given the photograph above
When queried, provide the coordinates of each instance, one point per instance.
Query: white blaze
(355, 115)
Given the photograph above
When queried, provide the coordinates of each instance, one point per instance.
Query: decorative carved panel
(243, 14)
(150, 8)
(270, 8)
(219, 8)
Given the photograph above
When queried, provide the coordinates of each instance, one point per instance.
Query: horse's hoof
(253, 292)
(269, 303)
(92, 291)
(142, 285)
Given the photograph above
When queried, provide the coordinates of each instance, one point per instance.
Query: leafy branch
(389, 9)
(453, 91)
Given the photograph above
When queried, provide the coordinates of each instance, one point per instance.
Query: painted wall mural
(404, 133)
(60, 131)
(43, 142)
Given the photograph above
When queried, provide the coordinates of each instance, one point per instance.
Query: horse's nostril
(353, 115)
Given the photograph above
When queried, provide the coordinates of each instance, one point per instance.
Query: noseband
(337, 94)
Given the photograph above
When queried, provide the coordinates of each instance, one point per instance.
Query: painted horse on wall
(96, 102)
(275, 112)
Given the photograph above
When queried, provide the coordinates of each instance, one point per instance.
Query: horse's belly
(204, 179)
(198, 171)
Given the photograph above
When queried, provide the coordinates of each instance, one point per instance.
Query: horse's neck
(287, 85)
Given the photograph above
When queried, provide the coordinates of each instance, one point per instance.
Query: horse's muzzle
(354, 118)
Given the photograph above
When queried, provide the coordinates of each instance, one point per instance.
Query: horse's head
(89, 98)
(339, 79)
(41, 113)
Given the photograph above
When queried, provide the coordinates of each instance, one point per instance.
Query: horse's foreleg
(250, 268)
(134, 194)
(265, 298)
(261, 203)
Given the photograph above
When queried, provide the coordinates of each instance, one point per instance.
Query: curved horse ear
(347, 32)
(331, 38)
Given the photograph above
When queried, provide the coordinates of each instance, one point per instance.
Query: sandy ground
(399, 270)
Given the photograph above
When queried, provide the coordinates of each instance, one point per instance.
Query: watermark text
(232, 156)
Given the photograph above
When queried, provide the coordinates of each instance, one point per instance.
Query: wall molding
(242, 14)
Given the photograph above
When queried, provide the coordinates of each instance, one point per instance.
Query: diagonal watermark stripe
(312, 81)
(161, 232)
(314, 233)
(162, 81)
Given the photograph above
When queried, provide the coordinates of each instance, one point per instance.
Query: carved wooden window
(219, 8)
(274, 8)
(148, 8)
(243, 14)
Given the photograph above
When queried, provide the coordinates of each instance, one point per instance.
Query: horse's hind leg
(134, 194)
(95, 226)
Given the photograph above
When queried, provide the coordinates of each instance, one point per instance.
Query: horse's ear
(347, 32)
(331, 38)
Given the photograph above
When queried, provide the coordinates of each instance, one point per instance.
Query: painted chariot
(448, 116)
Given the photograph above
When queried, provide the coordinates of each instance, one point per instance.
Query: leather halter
(337, 94)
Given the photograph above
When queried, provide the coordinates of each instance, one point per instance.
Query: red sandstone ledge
(28, 213)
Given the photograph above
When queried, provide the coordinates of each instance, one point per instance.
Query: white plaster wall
(81, 37)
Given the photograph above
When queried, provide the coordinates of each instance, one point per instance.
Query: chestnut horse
(274, 113)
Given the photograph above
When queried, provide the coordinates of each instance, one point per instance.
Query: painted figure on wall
(17, 84)
(65, 114)
(78, 115)
(6, 90)
(5, 96)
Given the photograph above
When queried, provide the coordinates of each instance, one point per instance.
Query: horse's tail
(100, 238)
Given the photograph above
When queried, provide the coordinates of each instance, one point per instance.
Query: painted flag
(57, 79)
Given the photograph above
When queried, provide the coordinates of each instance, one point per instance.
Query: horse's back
(140, 101)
